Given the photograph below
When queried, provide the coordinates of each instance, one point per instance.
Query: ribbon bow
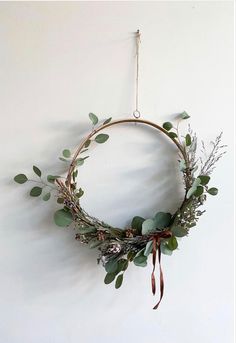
(157, 246)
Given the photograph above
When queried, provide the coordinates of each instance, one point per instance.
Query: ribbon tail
(161, 275)
(154, 249)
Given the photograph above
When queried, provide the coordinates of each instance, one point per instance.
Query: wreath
(145, 236)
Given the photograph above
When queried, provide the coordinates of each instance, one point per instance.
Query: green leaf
(93, 118)
(204, 179)
(182, 165)
(88, 229)
(79, 194)
(199, 191)
(87, 143)
(172, 243)
(148, 226)
(101, 138)
(137, 223)
(172, 135)
(60, 200)
(131, 255)
(66, 153)
(111, 266)
(94, 243)
(36, 191)
(119, 281)
(37, 171)
(167, 126)
(188, 140)
(109, 278)
(63, 159)
(148, 248)
(20, 178)
(213, 191)
(165, 250)
(63, 218)
(122, 265)
(80, 161)
(194, 187)
(107, 121)
(47, 196)
(52, 178)
(184, 115)
(140, 261)
(179, 231)
(162, 220)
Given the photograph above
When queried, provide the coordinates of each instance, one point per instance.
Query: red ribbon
(157, 247)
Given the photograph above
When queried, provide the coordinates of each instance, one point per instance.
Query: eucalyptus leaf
(94, 243)
(199, 191)
(184, 115)
(213, 191)
(63, 159)
(88, 229)
(66, 153)
(165, 250)
(37, 171)
(182, 165)
(188, 140)
(167, 126)
(179, 231)
(79, 194)
(172, 135)
(172, 243)
(109, 278)
(47, 196)
(162, 220)
(136, 224)
(93, 118)
(36, 191)
(101, 138)
(62, 218)
(204, 179)
(87, 143)
(119, 281)
(140, 261)
(148, 226)
(20, 178)
(148, 248)
(52, 178)
(107, 121)
(194, 187)
(111, 266)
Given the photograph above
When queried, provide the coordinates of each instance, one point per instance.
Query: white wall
(60, 61)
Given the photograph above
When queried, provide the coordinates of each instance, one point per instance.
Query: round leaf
(47, 196)
(167, 126)
(140, 261)
(172, 243)
(37, 171)
(66, 153)
(93, 118)
(199, 191)
(20, 178)
(62, 218)
(204, 179)
(162, 220)
(179, 231)
(136, 224)
(213, 191)
(165, 250)
(173, 135)
(148, 226)
(36, 191)
(119, 281)
(109, 278)
(101, 138)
